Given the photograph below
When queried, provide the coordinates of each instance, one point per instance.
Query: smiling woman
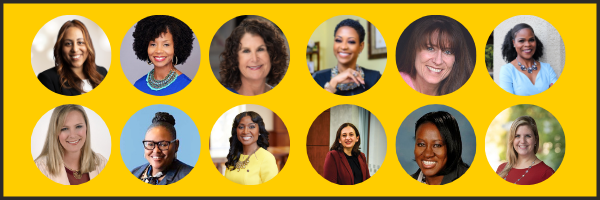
(75, 70)
(345, 151)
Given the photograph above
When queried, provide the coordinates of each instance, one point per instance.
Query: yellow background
(298, 100)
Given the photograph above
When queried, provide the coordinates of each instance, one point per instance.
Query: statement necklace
(242, 164)
(529, 69)
(351, 85)
(160, 84)
(524, 173)
(76, 173)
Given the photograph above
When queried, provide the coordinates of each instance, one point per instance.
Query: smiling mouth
(248, 138)
(523, 146)
(159, 58)
(74, 142)
(75, 57)
(527, 51)
(436, 70)
(428, 164)
(342, 54)
(255, 67)
(157, 157)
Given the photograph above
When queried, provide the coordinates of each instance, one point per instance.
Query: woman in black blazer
(75, 69)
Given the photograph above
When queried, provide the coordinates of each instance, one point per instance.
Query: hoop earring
(175, 60)
(149, 62)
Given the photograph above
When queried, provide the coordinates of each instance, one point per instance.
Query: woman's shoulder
(501, 167)
(184, 78)
(371, 71)
(52, 72)
(322, 73)
(141, 81)
(545, 167)
(264, 154)
(101, 70)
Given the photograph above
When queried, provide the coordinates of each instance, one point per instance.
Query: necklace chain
(76, 173)
(524, 173)
(242, 164)
(156, 85)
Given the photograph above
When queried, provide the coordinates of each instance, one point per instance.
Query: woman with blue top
(347, 78)
(255, 58)
(162, 41)
(524, 75)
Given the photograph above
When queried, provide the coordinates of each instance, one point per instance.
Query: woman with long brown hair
(345, 164)
(75, 70)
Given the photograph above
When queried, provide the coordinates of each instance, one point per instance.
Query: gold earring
(149, 62)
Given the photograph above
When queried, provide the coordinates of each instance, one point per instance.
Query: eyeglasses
(162, 145)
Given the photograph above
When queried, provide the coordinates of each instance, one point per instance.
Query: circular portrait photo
(249, 144)
(249, 55)
(160, 55)
(346, 55)
(70, 55)
(525, 144)
(517, 59)
(70, 144)
(346, 144)
(167, 138)
(435, 144)
(435, 55)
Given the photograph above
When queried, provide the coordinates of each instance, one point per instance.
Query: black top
(371, 78)
(51, 80)
(355, 165)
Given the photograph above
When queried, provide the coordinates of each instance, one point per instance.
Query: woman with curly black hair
(162, 41)
(524, 75)
(255, 58)
(248, 161)
(347, 78)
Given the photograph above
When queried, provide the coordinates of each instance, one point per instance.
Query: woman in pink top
(438, 55)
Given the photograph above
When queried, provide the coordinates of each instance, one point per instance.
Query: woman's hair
(53, 151)
(339, 147)
(153, 27)
(68, 78)
(235, 146)
(166, 120)
(450, 132)
(274, 40)
(509, 53)
(353, 24)
(511, 154)
(449, 33)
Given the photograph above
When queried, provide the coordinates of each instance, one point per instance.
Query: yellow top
(260, 169)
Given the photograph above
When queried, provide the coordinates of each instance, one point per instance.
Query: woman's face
(524, 141)
(430, 149)
(161, 50)
(347, 46)
(348, 137)
(74, 132)
(160, 159)
(525, 43)
(253, 58)
(434, 63)
(247, 131)
(73, 47)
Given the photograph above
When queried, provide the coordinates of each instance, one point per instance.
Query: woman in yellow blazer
(248, 161)
(67, 157)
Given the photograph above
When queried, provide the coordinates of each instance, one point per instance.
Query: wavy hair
(274, 40)
(511, 154)
(235, 146)
(450, 132)
(449, 33)
(54, 151)
(339, 147)
(68, 78)
(509, 53)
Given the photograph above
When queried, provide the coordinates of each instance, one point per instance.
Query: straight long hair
(54, 151)
(68, 78)
(511, 153)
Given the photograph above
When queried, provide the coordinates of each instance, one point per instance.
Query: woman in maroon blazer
(345, 164)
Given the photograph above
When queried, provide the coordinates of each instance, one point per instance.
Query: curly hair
(450, 132)
(68, 78)
(450, 33)
(509, 53)
(235, 146)
(152, 27)
(353, 24)
(336, 144)
(274, 40)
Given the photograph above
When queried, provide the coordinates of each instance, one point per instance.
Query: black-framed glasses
(162, 145)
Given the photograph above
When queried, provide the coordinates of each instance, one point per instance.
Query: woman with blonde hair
(523, 166)
(67, 156)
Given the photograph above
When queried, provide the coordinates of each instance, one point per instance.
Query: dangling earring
(175, 60)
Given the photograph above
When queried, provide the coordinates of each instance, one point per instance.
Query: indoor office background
(324, 129)
(324, 36)
(279, 140)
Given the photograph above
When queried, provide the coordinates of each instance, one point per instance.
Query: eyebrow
(248, 123)
(342, 37)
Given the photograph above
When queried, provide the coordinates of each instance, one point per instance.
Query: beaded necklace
(524, 173)
(160, 84)
(347, 86)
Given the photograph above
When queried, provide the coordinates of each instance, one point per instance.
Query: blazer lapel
(346, 165)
